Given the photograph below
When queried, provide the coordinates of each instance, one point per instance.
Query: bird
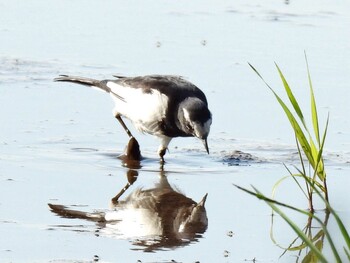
(157, 217)
(165, 106)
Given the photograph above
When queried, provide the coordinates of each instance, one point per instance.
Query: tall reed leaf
(313, 105)
(315, 180)
(295, 125)
(310, 149)
(291, 97)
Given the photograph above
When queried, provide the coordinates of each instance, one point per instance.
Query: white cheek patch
(202, 131)
(186, 115)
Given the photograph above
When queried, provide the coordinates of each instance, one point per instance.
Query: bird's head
(196, 120)
(196, 220)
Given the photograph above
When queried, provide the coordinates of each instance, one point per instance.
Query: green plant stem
(308, 188)
(325, 190)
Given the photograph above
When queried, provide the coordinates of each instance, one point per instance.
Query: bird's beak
(206, 145)
(202, 202)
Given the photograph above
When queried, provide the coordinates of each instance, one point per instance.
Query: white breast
(145, 110)
(131, 222)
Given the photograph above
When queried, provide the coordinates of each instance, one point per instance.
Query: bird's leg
(132, 177)
(161, 154)
(119, 118)
(115, 200)
(165, 140)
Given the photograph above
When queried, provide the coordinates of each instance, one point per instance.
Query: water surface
(59, 142)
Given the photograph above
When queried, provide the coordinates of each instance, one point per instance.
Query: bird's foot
(132, 151)
(161, 154)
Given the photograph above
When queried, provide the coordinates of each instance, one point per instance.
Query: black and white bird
(157, 217)
(165, 106)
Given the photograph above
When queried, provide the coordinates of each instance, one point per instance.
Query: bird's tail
(84, 81)
(63, 211)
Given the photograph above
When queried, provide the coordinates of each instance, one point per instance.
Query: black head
(196, 119)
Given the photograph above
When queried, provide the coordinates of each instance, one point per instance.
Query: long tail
(84, 81)
(63, 211)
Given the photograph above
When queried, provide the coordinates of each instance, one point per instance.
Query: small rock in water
(237, 158)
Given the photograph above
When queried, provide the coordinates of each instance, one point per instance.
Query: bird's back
(166, 84)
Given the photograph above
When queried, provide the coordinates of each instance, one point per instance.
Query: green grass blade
(314, 239)
(315, 183)
(295, 125)
(347, 253)
(257, 72)
(313, 105)
(291, 96)
(318, 161)
(264, 198)
(277, 184)
(321, 171)
(314, 116)
(272, 203)
(319, 167)
(296, 229)
(340, 224)
(297, 129)
(310, 182)
(295, 180)
(311, 257)
(338, 220)
(342, 228)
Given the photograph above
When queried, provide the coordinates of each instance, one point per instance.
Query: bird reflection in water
(156, 218)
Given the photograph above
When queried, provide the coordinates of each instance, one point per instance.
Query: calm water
(59, 142)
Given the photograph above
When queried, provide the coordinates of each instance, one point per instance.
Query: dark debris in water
(226, 253)
(230, 233)
(236, 158)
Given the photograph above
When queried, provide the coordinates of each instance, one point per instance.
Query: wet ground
(60, 143)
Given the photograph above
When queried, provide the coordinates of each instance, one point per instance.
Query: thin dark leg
(132, 177)
(115, 199)
(161, 154)
(123, 125)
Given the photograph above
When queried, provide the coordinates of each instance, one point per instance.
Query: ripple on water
(83, 149)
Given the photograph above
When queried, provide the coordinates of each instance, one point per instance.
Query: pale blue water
(58, 141)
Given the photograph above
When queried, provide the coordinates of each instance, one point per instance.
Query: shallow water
(59, 142)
